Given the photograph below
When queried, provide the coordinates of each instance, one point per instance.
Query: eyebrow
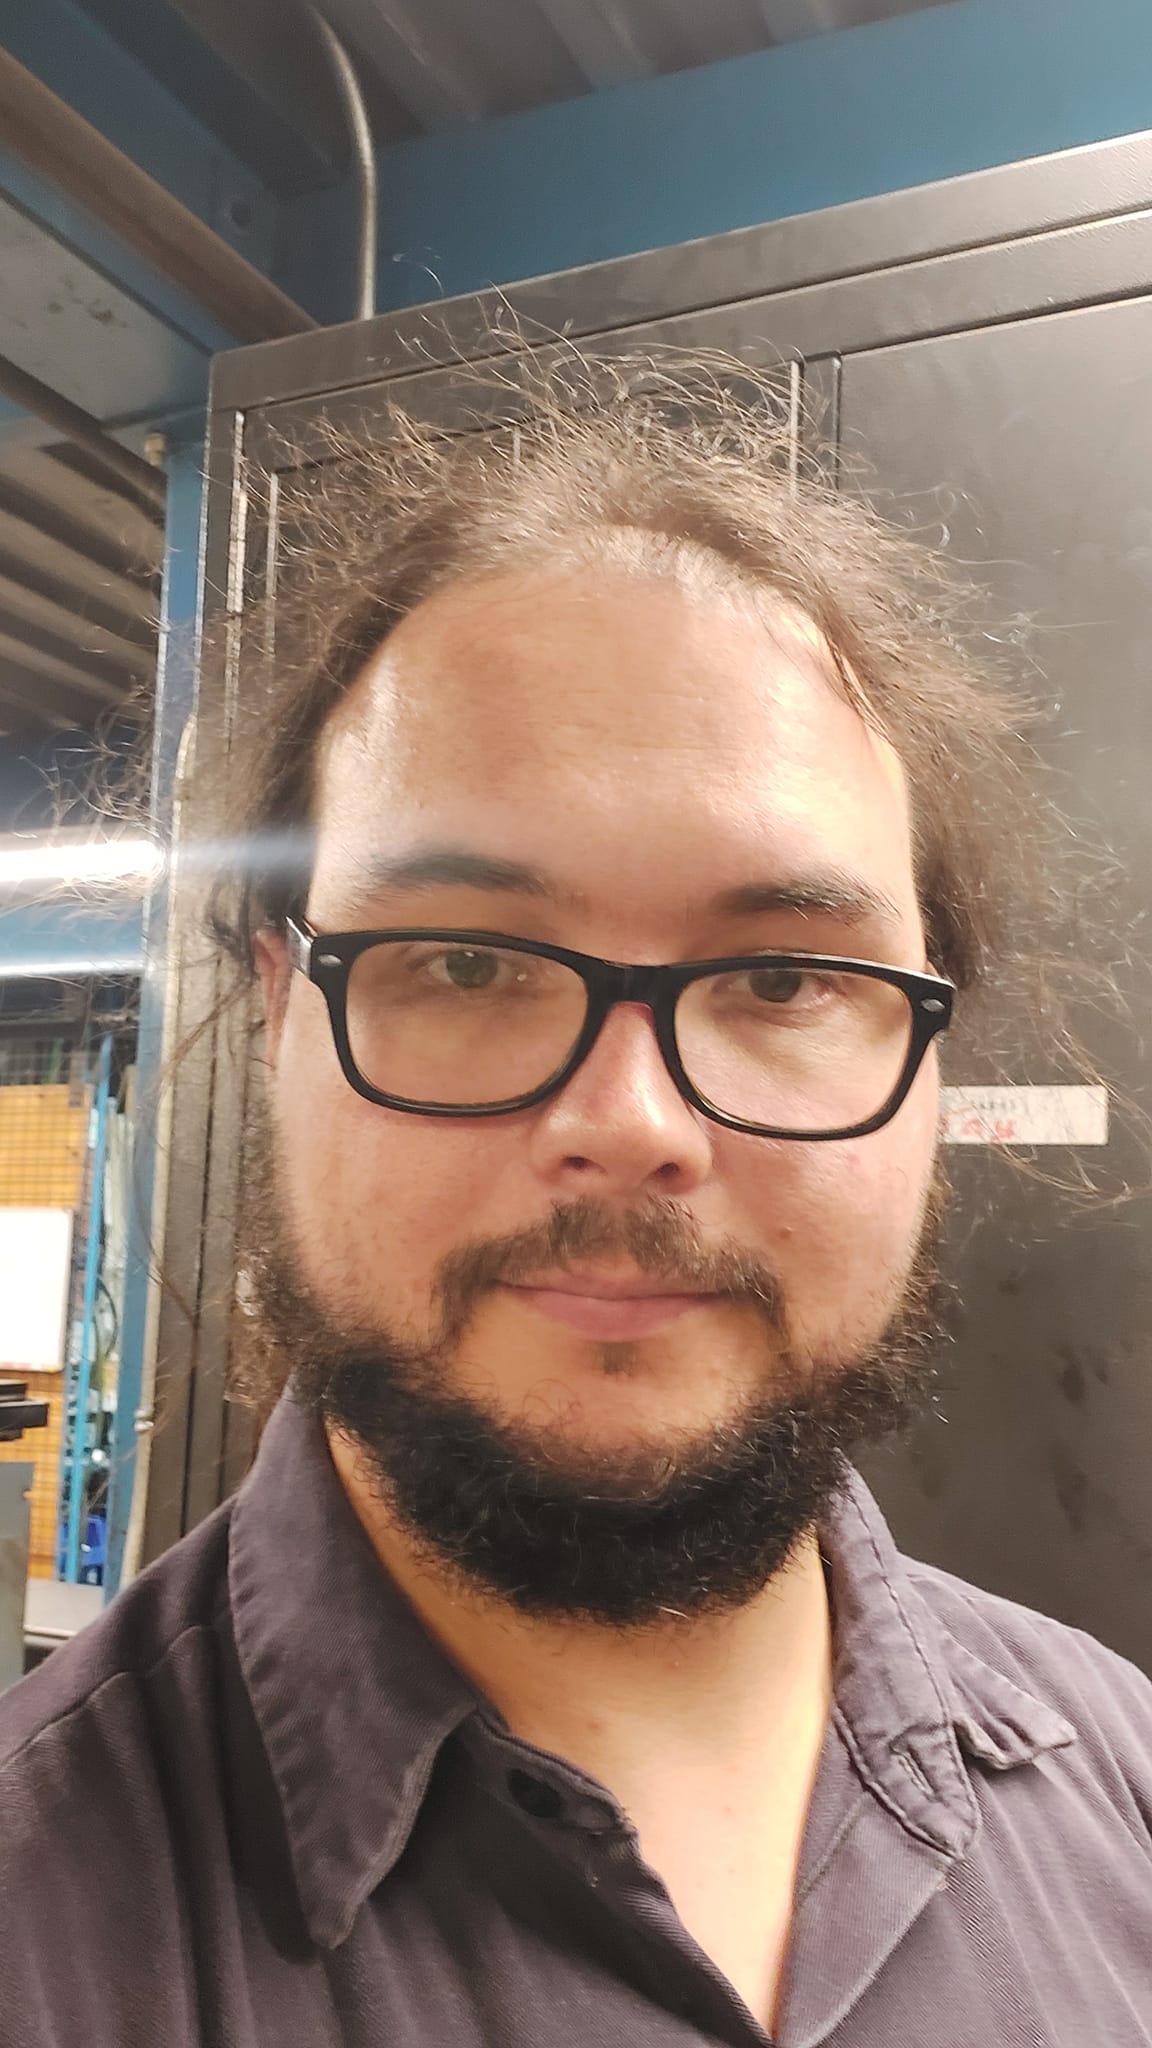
(832, 893)
(450, 866)
(829, 895)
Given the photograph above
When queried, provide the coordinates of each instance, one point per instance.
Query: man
(553, 1679)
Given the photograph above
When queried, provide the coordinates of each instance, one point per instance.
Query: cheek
(844, 1220)
(375, 1199)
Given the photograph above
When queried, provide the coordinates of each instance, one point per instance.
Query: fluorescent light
(33, 966)
(79, 861)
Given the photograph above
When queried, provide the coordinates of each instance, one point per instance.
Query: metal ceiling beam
(99, 56)
(79, 426)
(31, 556)
(76, 487)
(85, 502)
(600, 38)
(86, 471)
(50, 670)
(104, 550)
(421, 66)
(29, 699)
(65, 648)
(104, 652)
(49, 136)
(16, 714)
(48, 577)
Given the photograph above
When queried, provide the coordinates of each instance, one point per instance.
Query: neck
(710, 1683)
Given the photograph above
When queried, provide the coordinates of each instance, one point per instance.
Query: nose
(620, 1126)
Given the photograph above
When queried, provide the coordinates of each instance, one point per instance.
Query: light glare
(79, 861)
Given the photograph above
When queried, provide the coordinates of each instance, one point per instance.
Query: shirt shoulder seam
(81, 1706)
(1046, 1625)
(972, 1596)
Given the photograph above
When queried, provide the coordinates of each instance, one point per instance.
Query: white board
(1024, 1116)
(35, 1271)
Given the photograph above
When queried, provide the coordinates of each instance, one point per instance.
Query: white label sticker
(1024, 1116)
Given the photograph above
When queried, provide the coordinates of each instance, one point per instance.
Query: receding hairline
(664, 455)
(629, 554)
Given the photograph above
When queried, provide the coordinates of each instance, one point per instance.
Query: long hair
(672, 466)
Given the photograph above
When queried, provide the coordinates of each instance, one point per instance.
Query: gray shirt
(254, 1804)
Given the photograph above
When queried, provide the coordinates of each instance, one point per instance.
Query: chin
(621, 1407)
(689, 1376)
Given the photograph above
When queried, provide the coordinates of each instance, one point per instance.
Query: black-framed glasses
(447, 1023)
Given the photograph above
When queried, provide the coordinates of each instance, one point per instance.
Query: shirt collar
(911, 1700)
(352, 1697)
(354, 1700)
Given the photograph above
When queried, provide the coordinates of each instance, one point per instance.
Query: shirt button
(535, 1795)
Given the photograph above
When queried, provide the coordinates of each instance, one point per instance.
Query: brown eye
(466, 968)
(775, 984)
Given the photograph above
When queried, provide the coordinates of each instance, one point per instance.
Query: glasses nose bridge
(654, 988)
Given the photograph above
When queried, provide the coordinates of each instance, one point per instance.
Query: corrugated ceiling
(447, 62)
(79, 590)
(253, 71)
(79, 551)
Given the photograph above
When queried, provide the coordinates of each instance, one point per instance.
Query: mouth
(610, 1308)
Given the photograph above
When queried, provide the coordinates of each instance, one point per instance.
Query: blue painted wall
(955, 88)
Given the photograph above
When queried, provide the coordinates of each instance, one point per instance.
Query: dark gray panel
(1003, 283)
(1031, 449)
(1101, 183)
(191, 1422)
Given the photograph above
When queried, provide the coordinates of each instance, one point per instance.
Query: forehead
(599, 719)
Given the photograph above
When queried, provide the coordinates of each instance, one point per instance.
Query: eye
(775, 984)
(466, 967)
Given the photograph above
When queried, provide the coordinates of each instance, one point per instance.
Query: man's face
(648, 752)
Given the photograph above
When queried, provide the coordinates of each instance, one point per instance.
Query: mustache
(659, 1238)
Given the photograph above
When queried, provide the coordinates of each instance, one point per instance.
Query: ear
(274, 968)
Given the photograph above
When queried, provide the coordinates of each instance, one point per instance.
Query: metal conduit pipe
(81, 427)
(363, 157)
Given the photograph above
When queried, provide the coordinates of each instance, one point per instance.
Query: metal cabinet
(1040, 433)
(979, 352)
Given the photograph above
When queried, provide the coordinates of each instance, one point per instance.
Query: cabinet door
(1027, 449)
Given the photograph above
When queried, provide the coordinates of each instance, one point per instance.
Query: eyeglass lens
(794, 1048)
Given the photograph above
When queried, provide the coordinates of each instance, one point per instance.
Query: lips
(612, 1308)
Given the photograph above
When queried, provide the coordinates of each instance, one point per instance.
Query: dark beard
(698, 1525)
